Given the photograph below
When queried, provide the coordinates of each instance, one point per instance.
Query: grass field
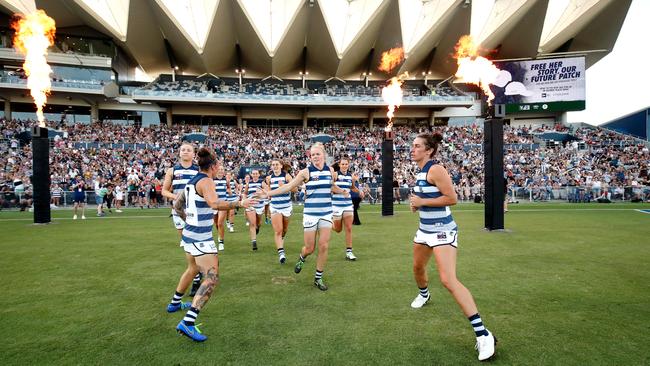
(568, 285)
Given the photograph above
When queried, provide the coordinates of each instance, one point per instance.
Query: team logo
(442, 236)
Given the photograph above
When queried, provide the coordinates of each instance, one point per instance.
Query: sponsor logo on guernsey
(442, 236)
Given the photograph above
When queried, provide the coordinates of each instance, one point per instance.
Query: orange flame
(34, 34)
(390, 59)
(473, 68)
(392, 95)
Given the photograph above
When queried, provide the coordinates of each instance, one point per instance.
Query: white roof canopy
(113, 14)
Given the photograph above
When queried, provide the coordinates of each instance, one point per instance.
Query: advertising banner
(548, 85)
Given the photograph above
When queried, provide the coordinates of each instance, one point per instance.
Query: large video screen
(549, 85)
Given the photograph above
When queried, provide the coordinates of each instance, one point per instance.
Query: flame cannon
(493, 178)
(392, 95)
(475, 69)
(34, 34)
(41, 175)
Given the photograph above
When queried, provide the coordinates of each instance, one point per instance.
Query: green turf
(569, 285)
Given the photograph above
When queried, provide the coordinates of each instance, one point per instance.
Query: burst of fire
(391, 58)
(392, 94)
(34, 34)
(473, 68)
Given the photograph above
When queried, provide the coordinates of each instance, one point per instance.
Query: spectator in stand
(79, 198)
(109, 196)
(26, 200)
(119, 197)
(57, 192)
(153, 195)
(100, 193)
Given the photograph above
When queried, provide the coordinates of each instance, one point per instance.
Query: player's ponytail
(286, 167)
(206, 158)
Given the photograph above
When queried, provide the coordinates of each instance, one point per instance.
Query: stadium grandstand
(298, 65)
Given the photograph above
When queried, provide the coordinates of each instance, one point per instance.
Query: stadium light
(240, 73)
(365, 77)
(303, 76)
(426, 76)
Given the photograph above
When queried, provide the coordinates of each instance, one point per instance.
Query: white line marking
(362, 212)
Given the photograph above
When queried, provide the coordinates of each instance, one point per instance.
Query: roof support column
(7, 110)
(371, 118)
(94, 113)
(239, 119)
(168, 115)
(432, 118)
(304, 118)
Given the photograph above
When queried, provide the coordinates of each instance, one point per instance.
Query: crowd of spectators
(291, 87)
(607, 164)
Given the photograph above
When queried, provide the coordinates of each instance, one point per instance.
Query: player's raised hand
(248, 202)
(261, 193)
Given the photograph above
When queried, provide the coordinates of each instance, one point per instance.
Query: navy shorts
(79, 198)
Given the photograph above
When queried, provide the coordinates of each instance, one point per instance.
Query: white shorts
(178, 222)
(437, 239)
(286, 212)
(200, 248)
(340, 211)
(258, 210)
(313, 223)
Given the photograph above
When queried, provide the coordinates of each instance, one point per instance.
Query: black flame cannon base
(494, 180)
(387, 174)
(41, 175)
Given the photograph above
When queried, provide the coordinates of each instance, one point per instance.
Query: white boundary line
(127, 217)
(645, 211)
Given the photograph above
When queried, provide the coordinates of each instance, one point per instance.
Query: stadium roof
(327, 38)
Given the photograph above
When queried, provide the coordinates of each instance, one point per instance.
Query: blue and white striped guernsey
(180, 177)
(282, 201)
(233, 190)
(432, 219)
(343, 181)
(200, 216)
(220, 187)
(253, 186)
(318, 192)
